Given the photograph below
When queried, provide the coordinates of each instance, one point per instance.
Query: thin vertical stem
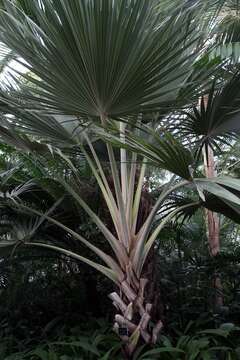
(144, 232)
(132, 178)
(115, 175)
(100, 169)
(212, 217)
(106, 192)
(123, 168)
(137, 197)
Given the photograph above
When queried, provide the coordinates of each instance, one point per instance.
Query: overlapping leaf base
(132, 322)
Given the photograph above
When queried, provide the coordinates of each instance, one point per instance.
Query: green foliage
(87, 82)
(204, 345)
(92, 345)
(101, 345)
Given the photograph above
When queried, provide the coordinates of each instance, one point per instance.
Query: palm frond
(222, 187)
(161, 150)
(99, 57)
(217, 118)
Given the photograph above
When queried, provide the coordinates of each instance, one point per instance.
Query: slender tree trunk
(212, 217)
(213, 226)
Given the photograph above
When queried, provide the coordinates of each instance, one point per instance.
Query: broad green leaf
(155, 352)
(213, 187)
(82, 343)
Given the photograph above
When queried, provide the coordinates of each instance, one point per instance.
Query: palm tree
(104, 74)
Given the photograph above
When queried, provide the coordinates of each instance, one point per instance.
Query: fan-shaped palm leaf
(99, 57)
(217, 119)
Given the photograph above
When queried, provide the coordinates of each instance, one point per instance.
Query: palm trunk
(212, 217)
(137, 299)
(134, 314)
(134, 310)
(213, 228)
(135, 302)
